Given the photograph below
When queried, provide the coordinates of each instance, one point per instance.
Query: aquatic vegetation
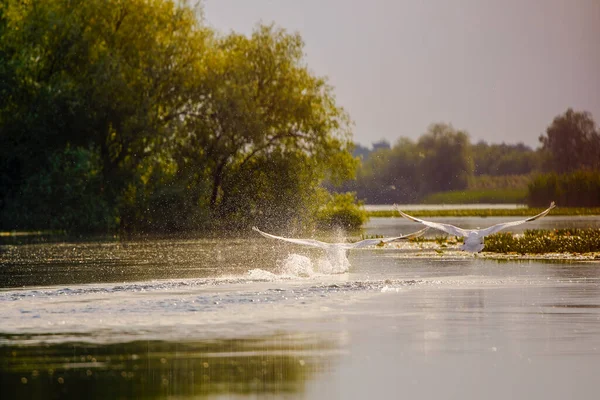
(545, 241)
(500, 212)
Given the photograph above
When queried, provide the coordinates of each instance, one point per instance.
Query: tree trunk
(217, 181)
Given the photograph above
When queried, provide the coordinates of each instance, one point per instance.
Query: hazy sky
(501, 70)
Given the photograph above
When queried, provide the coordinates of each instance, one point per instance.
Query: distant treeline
(443, 165)
(135, 115)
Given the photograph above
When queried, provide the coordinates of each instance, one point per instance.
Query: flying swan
(474, 237)
(336, 252)
(342, 246)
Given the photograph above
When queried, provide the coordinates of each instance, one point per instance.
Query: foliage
(67, 196)
(442, 159)
(388, 175)
(544, 241)
(504, 159)
(571, 142)
(258, 101)
(575, 189)
(341, 211)
(186, 129)
(446, 159)
(408, 171)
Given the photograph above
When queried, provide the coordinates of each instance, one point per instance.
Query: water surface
(250, 318)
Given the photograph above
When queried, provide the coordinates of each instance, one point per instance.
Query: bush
(343, 211)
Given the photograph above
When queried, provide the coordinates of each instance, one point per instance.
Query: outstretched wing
(374, 242)
(499, 227)
(305, 242)
(451, 229)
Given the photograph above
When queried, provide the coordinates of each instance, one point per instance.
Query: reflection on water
(156, 369)
(250, 319)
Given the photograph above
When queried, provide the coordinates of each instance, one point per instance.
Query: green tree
(64, 196)
(446, 162)
(389, 175)
(504, 159)
(259, 105)
(572, 142)
(173, 126)
(110, 74)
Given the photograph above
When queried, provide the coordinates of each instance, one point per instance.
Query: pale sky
(499, 69)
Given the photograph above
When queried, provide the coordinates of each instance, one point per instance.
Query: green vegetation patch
(501, 212)
(342, 210)
(545, 241)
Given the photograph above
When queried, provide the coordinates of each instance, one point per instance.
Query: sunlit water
(252, 317)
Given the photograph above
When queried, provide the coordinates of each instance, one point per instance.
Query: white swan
(474, 237)
(336, 252)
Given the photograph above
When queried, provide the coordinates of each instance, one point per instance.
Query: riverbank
(451, 211)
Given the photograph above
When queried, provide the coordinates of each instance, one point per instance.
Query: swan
(336, 252)
(474, 237)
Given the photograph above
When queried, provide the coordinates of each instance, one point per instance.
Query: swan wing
(305, 242)
(498, 227)
(375, 242)
(451, 229)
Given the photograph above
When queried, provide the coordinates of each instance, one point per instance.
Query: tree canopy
(164, 123)
(572, 142)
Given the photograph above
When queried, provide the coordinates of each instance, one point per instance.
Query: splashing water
(335, 262)
(260, 275)
(294, 266)
(297, 265)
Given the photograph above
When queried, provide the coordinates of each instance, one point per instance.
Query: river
(254, 318)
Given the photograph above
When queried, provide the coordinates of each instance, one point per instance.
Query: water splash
(297, 265)
(258, 274)
(335, 263)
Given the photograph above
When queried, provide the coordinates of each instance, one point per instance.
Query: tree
(109, 75)
(572, 142)
(446, 161)
(504, 159)
(258, 104)
(171, 126)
